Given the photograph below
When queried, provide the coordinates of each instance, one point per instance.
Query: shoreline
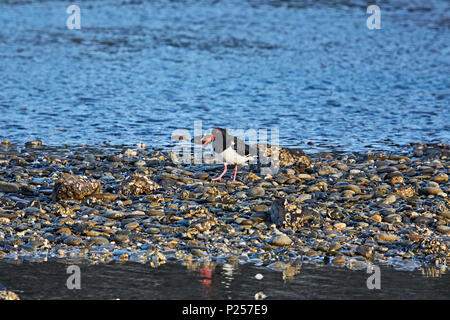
(312, 148)
(135, 204)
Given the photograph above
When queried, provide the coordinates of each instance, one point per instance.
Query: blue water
(137, 70)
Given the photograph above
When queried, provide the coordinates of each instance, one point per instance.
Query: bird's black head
(216, 133)
(219, 132)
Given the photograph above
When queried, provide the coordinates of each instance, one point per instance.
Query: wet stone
(73, 240)
(440, 178)
(365, 251)
(443, 229)
(121, 237)
(393, 218)
(389, 199)
(9, 214)
(423, 220)
(8, 187)
(281, 240)
(326, 170)
(431, 191)
(305, 176)
(387, 237)
(33, 144)
(98, 241)
(155, 213)
(354, 188)
(339, 225)
(304, 197)
(256, 192)
(153, 230)
(105, 196)
(132, 225)
(113, 214)
(339, 260)
(260, 208)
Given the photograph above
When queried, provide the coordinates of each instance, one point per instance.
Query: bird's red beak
(208, 141)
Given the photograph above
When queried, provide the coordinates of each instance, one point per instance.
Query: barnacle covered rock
(74, 187)
(287, 157)
(8, 295)
(437, 251)
(289, 214)
(138, 184)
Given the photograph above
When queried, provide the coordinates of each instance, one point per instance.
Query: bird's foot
(216, 179)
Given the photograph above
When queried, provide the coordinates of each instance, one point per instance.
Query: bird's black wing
(242, 148)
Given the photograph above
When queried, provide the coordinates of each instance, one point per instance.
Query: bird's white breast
(230, 156)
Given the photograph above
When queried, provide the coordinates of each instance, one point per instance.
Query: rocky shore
(120, 203)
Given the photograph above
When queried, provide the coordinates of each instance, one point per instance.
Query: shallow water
(137, 70)
(173, 281)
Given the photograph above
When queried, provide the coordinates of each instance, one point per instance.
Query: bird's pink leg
(221, 175)
(234, 178)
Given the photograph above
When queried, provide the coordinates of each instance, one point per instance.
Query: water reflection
(433, 272)
(207, 280)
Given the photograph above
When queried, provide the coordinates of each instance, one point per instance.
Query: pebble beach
(97, 205)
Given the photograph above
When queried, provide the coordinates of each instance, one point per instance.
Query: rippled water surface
(137, 70)
(173, 281)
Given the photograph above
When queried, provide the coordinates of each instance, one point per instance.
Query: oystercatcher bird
(230, 150)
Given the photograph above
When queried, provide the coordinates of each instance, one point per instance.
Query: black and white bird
(230, 150)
